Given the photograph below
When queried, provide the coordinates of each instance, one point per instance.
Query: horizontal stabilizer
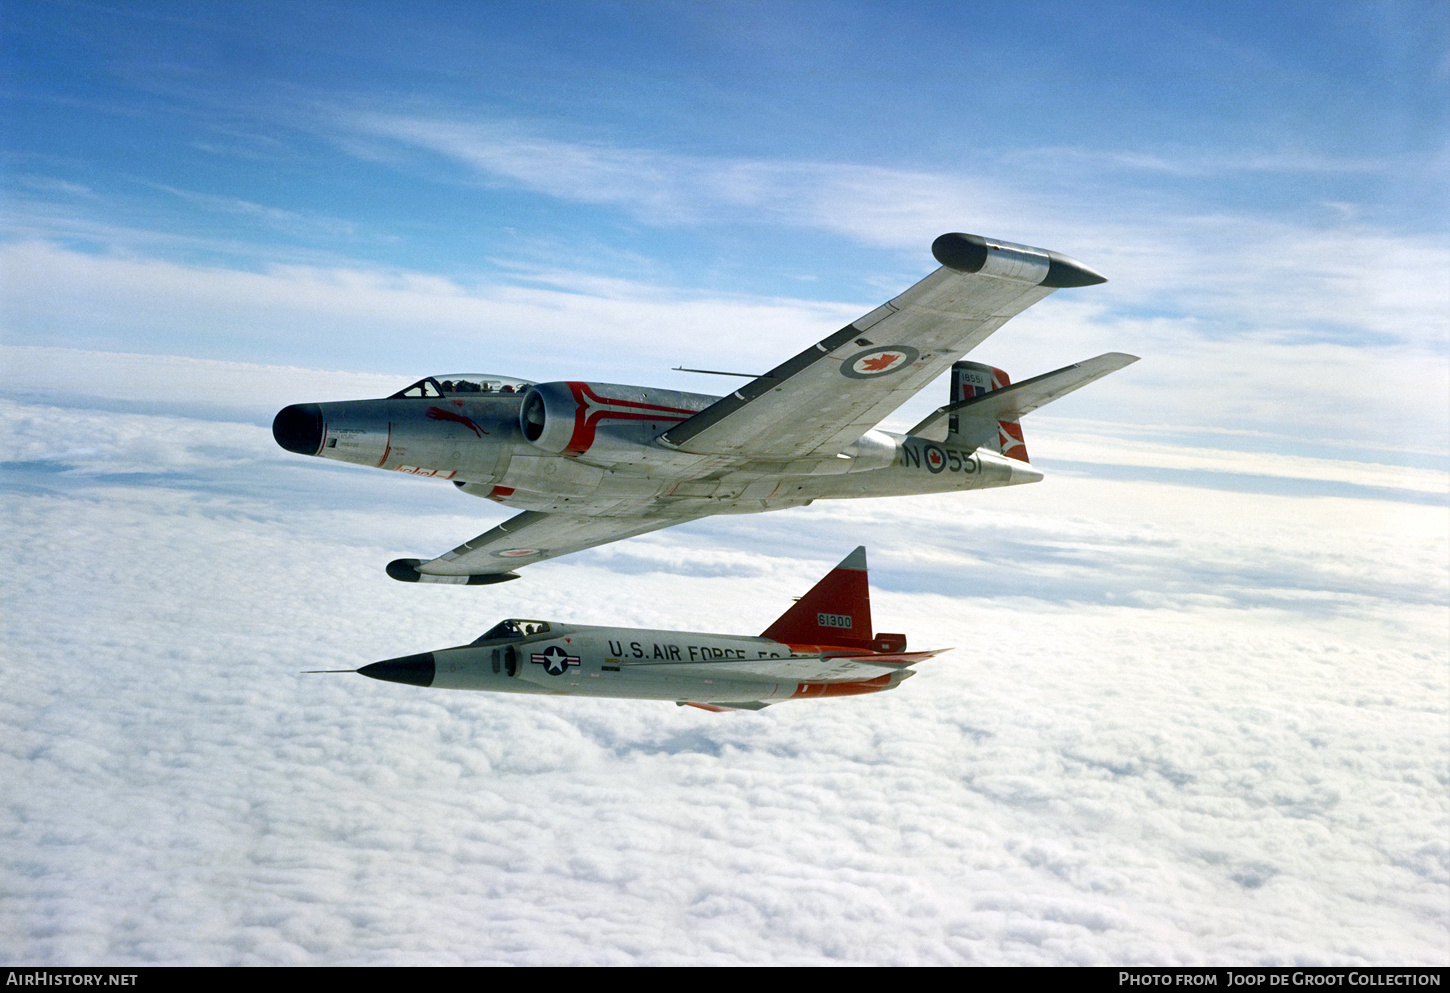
(897, 658)
(977, 417)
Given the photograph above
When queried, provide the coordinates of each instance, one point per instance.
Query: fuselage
(542, 657)
(595, 449)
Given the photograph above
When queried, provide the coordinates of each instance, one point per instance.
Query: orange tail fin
(837, 610)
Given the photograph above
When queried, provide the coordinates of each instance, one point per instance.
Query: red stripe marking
(1011, 440)
(439, 414)
(388, 447)
(811, 690)
(590, 409)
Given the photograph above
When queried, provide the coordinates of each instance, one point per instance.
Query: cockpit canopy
(464, 383)
(513, 628)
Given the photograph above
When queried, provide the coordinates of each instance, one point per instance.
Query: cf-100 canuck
(590, 463)
(821, 646)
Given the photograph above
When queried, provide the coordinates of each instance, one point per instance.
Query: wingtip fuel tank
(974, 254)
(406, 571)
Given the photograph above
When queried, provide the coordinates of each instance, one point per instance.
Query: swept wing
(527, 538)
(819, 402)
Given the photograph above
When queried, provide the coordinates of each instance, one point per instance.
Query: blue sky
(271, 132)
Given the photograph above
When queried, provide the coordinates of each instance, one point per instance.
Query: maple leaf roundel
(879, 361)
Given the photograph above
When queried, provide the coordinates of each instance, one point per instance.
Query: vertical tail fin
(971, 379)
(837, 610)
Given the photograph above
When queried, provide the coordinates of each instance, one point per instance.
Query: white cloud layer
(1390, 396)
(1198, 709)
(355, 312)
(1180, 725)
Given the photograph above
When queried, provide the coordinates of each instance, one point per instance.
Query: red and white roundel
(515, 553)
(880, 361)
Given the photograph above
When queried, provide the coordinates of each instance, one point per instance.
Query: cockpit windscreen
(463, 384)
(513, 628)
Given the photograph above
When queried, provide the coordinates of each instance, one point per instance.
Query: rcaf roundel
(936, 459)
(880, 361)
(515, 553)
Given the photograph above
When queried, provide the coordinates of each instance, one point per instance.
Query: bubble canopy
(514, 627)
(460, 383)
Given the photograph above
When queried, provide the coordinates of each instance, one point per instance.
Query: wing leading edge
(820, 401)
(522, 540)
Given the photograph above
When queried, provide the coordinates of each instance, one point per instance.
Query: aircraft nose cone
(415, 670)
(298, 428)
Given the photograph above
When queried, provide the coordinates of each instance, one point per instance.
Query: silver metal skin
(822, 646)
(588, 463)
(644, 665)
(616, 662)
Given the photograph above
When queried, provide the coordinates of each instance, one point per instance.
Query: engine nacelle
(873, 450)
(571, 419)
(547, 417)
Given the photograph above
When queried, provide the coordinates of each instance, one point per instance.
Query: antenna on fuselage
(716, 372)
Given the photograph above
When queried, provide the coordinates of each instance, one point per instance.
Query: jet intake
(604, 419)
(547, 417)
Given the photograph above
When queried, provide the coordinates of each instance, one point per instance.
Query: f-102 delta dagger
(822, 646)
(589, 463)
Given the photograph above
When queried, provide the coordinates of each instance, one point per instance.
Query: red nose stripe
(439, 414)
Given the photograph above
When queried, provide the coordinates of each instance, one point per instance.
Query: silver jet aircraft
(590, 463)
(821, 646)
